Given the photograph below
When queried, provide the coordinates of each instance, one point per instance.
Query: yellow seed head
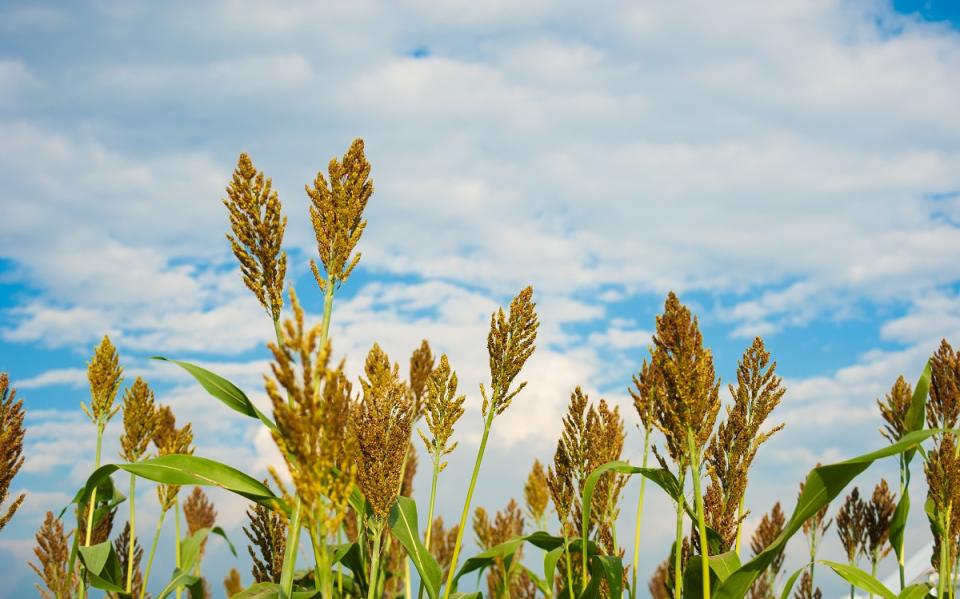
(421, 365)
(140, 421)
(894, 408)
(257, 226)
(510, 343)
(105, 376)
(443, 408)
(536, 492)
(336, 212)
(169, 440)
(11, 446)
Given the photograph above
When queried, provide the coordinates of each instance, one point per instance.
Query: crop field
(350, 452)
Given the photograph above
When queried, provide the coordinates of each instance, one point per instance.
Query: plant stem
(566, 553)
(433, 499)
(701, 519)
(853, 563)
(290, 551)
(466, 504)
(321, 570)
(375, 561)
(176, 544)
(339, 564)
(407, 585)
(93, 501)
(133, 531)
(903, 489)
(153, 551)
(873, 571)
(678, 544)
(636, 532)
(327, 311)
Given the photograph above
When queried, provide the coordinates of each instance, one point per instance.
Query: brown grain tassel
(12, 434)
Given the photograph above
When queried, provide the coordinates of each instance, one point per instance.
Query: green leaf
(403, 525)
(860, 579)
(179, 469)
(898, 523)
(822, 485)
(550, 567)
(608, 568)
(486, 558)
(916, 411)
(788, 586)
(721, 567)
(216, 530)
(914, 591)
(270, 590)
(179, 579)
(102, 566)
(224, 390)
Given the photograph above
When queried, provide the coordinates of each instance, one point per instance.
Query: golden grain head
(232, 583)
(894, 408)
(12, 434)
(569, 460)
(647, 393)
(691, 398)
(140, 421)
(510, 343)
(536, 492)
(878, 516)
(851, 524)
(199, 511)
(257, 227)
(336, 211)
(267, 532)
(105, 375)
(311, 406)
(421, 365)
(53, 552)
(169, 440)
(382, 421)
(943, 405)
(442, 409)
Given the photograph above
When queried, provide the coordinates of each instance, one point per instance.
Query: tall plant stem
(133, 530)
(853, 564)
(93, 501)
(321, 569)
(701, 518)
(904, 482)
(678, 550)
(739, 524)
(153, 551)
(433, 499)
(375, 561)
(327, 311)
(176, 544)
(566, 554)
(466, 504)
(339, 564)
(636, 531)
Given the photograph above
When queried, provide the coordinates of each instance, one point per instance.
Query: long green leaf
(606, 568)
(860, 579)
(180, 579)
(224, 390)
(487, 558)
(822, 485)
(788, 586)
(270, 590)
(722, 565)
(403, 525)
(914, 591)
(914, 421)
(179, 469)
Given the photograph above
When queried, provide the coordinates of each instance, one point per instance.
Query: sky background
(791, 169)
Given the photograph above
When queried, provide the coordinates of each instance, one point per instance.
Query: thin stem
(93, 502)
(903, 489)
(327, 311)
(153, 551)
(636, 531)
(339, 564)
(853, 563)
(321, 570)
(433, 499)
(873, 571)
(701, 518)
(375, 561)
(407, 584)
(566, 553)
(133, 531)
(678, 551)
(176, 544)
(739, 523)
(466, 504)
(290, 551)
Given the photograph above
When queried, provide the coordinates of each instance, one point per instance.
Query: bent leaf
(860, 579)
(102, 566)
(403, 525)
(822, 485)
(176, 469)
(224, 390)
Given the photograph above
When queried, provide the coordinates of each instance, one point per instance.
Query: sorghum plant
(11, 447)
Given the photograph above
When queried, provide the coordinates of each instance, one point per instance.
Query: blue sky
(790, 169)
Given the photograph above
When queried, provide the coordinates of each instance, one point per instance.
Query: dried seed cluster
(11, 447)
(258, 226)
(267, 532)
(536, 492)
(510, 343)
(53, 552)
(442, 409)
(336, 212)
(105, 375)
(140, 421)
(312, 415)
(894, 408)
(170, 440)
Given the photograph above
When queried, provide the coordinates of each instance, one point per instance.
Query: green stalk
(327, 311)
(407, 585)
(339, 564)
(873, 571)
(903, 489)
(433, 499)
(176, 545)
(701, 518)
(290, 551)
(566, 553)
(321, 570)
(853, 563)
(466, 504)
(739, 523)
(93, 501)
(153, 551)
(678, 551)
(375, 560)
(133, 531)
(636, 532)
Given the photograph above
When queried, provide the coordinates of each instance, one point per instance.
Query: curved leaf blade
(403, 525)
(860, 579)
(224, 390)
(822, 485)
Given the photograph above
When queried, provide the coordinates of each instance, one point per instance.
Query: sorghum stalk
(904, 483)
(153, 550)
(566, 554)
(176, 545)
(678, 550)
(133, 535)
(93, 493)
(375, 560)
(466, 504)
(701, 520)
(324, 584)
(636, 533)
(433, 497)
